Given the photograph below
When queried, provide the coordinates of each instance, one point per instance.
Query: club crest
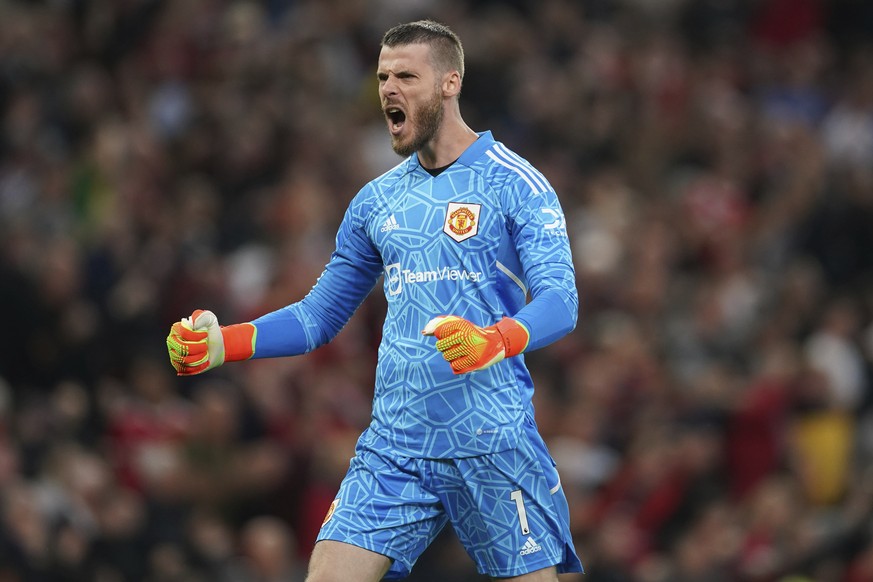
(330, 511)
(462, 220)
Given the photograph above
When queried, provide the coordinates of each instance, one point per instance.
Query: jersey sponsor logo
(444, 274)
(530, 547)
(390, 224)
(462, 220)
(396, 276)
(393, 279)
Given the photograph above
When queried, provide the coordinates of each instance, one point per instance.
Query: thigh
(508, 510)
(382, 506)
(340, 562)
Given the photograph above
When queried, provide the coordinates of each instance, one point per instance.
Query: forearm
(305, 325)
(198, 343)
(550, 315)
(279, 333)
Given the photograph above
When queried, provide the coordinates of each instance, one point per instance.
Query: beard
(428, 120)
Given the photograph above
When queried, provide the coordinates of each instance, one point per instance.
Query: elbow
(572, 304)
(574, 318)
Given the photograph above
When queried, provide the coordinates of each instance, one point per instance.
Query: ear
(451, 84)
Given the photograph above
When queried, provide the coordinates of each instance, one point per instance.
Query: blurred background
(711, 415)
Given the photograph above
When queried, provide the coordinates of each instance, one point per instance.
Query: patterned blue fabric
(507, 508)
(474, 241)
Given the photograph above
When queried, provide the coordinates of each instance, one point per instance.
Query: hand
(468, 347)
(196, 343)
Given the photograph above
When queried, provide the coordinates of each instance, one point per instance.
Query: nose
(389, 86)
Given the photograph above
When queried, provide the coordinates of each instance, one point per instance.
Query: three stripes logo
(530, 547)
(390, 224)
(510, 160)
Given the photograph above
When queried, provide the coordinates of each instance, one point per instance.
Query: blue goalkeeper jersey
(474, 241)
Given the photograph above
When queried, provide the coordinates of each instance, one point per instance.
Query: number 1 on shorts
(522, 514)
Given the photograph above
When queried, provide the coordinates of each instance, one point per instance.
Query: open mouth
(396, 119)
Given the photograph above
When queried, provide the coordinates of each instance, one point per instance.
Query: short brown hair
(446, 47)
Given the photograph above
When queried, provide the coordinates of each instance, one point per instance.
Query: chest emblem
(462, 220)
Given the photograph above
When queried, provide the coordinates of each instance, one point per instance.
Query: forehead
(404, 57)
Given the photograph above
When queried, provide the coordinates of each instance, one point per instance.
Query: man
(462, 230)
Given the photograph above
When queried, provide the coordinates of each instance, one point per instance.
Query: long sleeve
(347, 279)
(539, 233)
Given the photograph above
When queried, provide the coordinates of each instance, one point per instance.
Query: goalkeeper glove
(468, 347)
(197, 343)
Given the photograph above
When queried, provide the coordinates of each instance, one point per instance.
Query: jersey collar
(477, 148)
(470, 155)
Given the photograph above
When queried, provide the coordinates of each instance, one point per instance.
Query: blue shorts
(507, 508)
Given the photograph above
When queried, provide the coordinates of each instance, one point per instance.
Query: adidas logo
(390, 224)
(529, 547)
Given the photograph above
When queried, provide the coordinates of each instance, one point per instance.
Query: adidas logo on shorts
(390, 224)
(529, 547)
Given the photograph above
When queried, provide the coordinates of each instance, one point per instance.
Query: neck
(453, 137)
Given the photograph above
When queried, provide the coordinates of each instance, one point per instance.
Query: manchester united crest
(330, 511)
(462, 220)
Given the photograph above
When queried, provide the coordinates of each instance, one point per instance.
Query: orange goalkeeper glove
(197, 343)
(468, 347)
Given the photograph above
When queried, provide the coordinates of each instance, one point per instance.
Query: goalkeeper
(462, 231)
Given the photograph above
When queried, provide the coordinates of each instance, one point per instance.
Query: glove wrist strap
(239, 341)
(515, 336)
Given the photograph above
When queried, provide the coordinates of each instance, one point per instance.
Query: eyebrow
(404, 73)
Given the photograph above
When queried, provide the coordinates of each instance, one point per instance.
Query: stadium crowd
(711, 415)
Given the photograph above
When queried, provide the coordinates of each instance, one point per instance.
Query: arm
(348, 278)
(539, 232)
(539, 235)
(198, 343)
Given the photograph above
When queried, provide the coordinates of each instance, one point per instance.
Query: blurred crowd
(711, 415)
